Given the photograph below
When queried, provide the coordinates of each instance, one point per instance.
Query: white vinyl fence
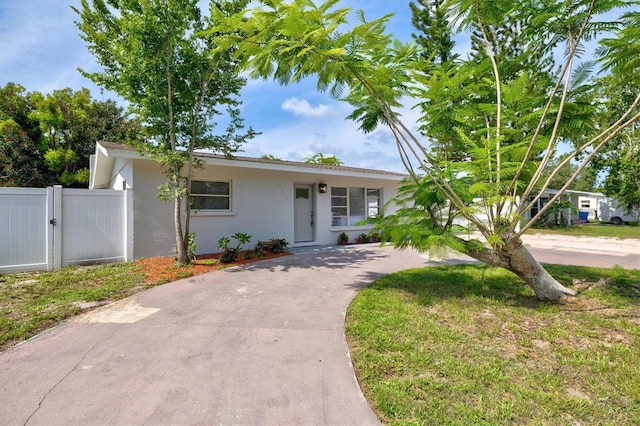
(46, 229)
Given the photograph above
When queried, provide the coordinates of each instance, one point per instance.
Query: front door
(303, 221)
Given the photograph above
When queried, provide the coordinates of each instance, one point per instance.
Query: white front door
(303, 219)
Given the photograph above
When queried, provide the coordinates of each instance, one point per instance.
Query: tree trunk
(522, 263)
(515, 257)
(181, 249)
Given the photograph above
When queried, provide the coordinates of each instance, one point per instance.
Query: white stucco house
(307, 204)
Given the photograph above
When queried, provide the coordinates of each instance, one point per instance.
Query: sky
(40, 49)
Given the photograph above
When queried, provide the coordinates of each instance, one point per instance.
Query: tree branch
(545, 111)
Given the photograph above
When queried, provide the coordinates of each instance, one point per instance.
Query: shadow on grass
(454, 278)
(460, 281)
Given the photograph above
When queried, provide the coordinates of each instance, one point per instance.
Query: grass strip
(592, 230)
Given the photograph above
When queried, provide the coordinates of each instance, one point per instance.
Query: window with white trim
(352, 205)
(211, 195)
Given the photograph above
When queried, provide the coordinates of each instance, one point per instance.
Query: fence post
(57, 226)
(50, 218)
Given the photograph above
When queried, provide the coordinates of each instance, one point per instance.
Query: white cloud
(304, 108)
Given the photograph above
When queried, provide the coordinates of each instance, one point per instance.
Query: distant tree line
(47, 139)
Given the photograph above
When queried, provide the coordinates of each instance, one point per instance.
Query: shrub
(277, 245)
(230, 254)
(343, 238)
(362, 238)
(191, 247)
(375, 237)
(274, 245)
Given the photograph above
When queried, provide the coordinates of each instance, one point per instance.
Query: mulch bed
(164, 269)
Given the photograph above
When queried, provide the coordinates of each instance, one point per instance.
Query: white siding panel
(23, 229)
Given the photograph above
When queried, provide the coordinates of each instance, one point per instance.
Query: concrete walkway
(258, 344)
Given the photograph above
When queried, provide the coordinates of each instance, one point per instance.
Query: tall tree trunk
(181, 249)
(515, 257)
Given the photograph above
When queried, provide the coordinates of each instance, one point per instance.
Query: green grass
(470, 344)
(592, 230)
(32, 302)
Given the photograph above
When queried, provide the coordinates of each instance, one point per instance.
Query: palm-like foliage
(499, 115)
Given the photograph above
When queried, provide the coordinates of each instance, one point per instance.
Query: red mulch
(165, 269)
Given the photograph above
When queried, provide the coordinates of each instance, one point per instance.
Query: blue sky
(40, 49)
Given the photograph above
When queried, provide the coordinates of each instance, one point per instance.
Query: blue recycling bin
(584, 217)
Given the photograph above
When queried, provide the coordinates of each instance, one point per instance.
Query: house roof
(574, 192)
(107, 152)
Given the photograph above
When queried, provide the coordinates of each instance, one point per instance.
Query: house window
(352, 205)
(585, 204)
(211, 195)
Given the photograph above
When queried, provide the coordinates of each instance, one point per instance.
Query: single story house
(306, 204)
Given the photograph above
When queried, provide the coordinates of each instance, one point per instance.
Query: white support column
(128, 221)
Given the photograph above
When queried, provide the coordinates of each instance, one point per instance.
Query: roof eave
(282, 166)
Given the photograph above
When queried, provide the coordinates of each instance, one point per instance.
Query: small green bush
(343, 238)
(362, 238)
(230, 254)
(274, 245)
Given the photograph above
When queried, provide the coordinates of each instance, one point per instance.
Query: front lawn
(469, 344)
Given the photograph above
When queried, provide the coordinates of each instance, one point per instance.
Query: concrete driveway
(257, 344)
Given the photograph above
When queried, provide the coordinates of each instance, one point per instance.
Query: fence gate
(45, 229)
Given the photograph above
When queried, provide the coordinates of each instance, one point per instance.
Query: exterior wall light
(322, 188)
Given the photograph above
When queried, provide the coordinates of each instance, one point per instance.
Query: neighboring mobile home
(595, 206)
(307, 204)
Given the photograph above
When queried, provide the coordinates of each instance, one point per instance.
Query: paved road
(587, 251)
(258, 344)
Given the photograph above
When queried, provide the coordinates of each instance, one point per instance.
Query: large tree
(71, 123)
(587, 180)
(47, 139)
(21, 158)
(434, 35)
(510, 113)
(620, 161)
(154, 55)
